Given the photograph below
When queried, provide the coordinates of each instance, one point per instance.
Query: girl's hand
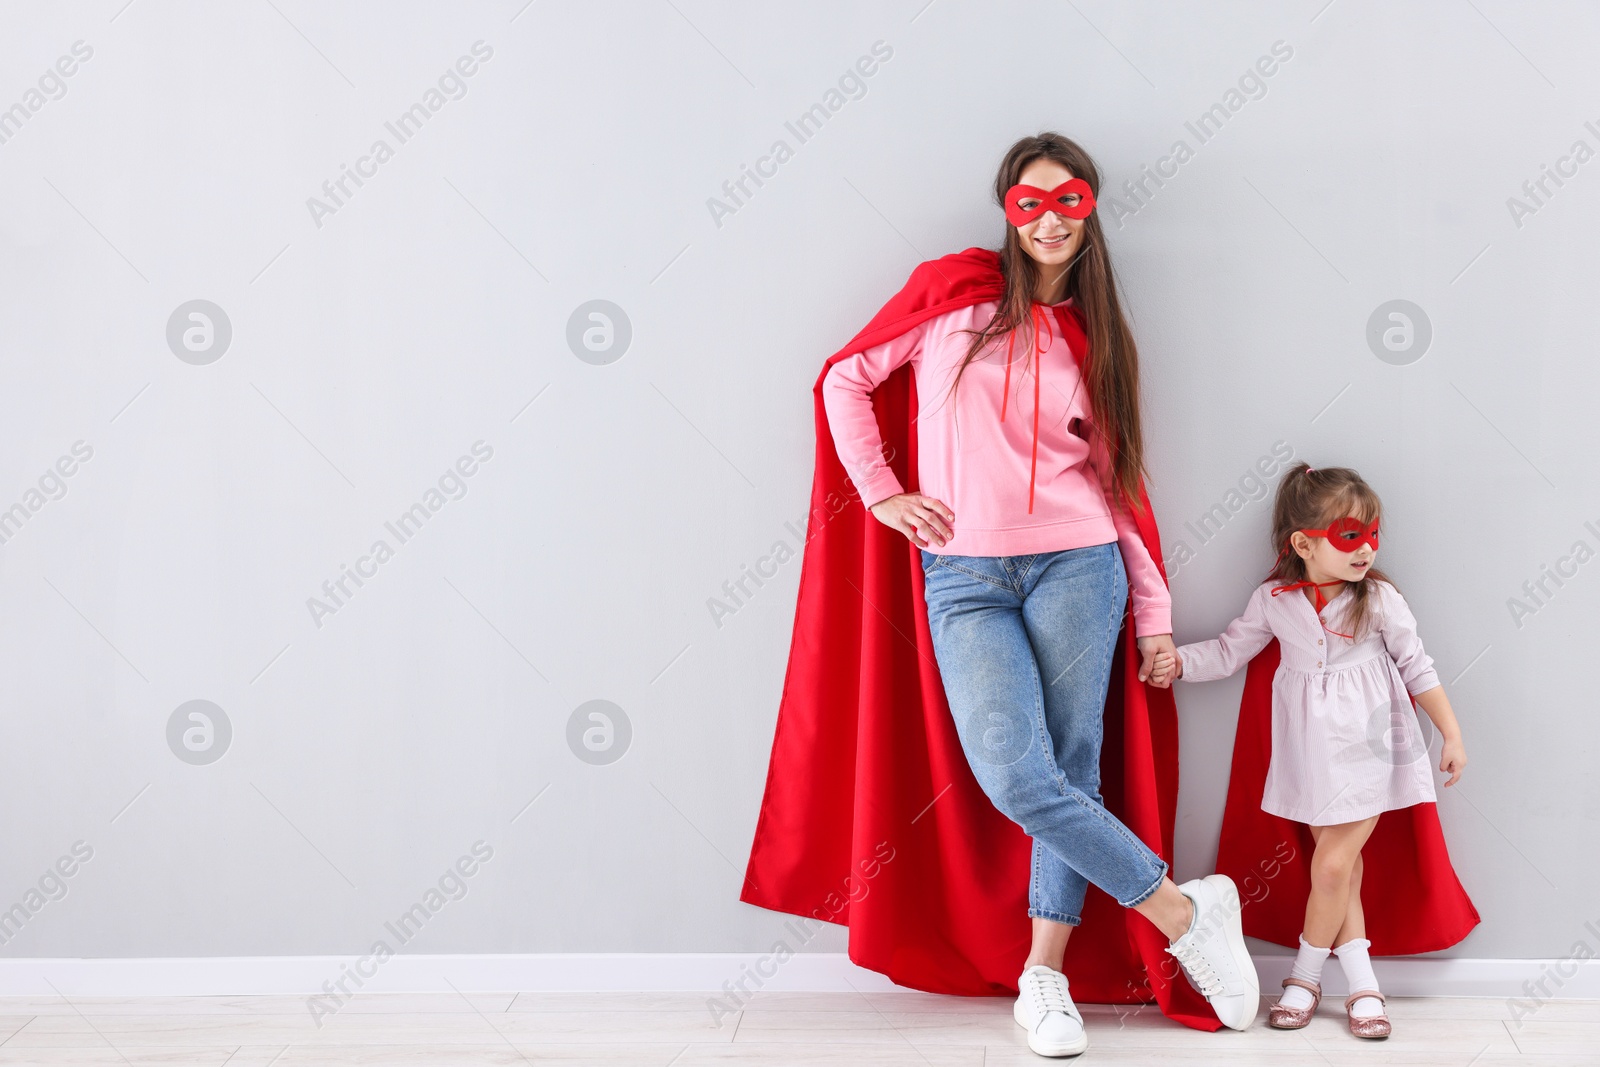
(1149, 648)
(1453, 757)
(914, 514)
(1163, 670)
(1453, 760)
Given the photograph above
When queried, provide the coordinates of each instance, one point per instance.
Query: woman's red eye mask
(1348, 534)
(1072, 198)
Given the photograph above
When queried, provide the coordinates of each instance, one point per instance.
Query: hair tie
(1310, 469)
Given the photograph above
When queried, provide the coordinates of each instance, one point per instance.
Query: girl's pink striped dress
(1346, 741)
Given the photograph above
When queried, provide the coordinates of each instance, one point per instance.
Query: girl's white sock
(1357, 967)
(1307, 967)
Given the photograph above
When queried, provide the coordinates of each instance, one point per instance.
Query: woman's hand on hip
(1149, 648)
(921, 518)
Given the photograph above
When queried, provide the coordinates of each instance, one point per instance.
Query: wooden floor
(777, 1029)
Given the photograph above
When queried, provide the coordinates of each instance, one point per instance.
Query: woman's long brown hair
(1309, 499)
(1111, 368)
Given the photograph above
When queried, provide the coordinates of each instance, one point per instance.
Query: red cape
(1419, 903)
(872, 817)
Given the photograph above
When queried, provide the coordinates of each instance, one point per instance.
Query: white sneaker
(1045, 1009)
(1213, 951)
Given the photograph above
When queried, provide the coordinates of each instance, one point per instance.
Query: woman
(1024, 504)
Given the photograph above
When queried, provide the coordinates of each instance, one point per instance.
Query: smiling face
(1051, 239)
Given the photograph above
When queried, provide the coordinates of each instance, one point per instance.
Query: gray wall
(376, 340)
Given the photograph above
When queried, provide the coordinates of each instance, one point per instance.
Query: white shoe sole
(1236, 945)
(1044, 1048)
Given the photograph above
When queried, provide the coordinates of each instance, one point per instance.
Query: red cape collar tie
(1316, 588)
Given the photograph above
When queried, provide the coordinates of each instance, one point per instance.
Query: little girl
(1346, 745)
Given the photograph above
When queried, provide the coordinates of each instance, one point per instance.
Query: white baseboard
(676, 972)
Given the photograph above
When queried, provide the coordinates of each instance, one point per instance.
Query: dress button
(1319, 663)
(1319, 640)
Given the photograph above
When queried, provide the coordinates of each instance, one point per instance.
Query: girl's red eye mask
(1348, 534)
(1072, 198)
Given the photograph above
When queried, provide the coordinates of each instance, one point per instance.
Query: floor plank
(773, 1029)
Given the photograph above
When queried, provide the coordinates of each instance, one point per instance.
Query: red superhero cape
(872, 817)
(1406, 871)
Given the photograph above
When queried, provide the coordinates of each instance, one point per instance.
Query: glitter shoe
(1367, 1026)
(1294, 1018)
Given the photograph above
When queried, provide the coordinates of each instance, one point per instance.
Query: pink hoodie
(1018, 464)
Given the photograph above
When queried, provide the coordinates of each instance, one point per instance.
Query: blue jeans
(1024, 646)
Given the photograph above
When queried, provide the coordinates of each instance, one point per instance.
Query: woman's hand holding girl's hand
(1453, 759)
(917, 517)
(1149, 649)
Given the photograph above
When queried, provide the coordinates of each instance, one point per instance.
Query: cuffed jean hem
(1142, 897)
(1055, 917)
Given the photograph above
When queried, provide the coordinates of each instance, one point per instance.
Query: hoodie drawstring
(1041, 325)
